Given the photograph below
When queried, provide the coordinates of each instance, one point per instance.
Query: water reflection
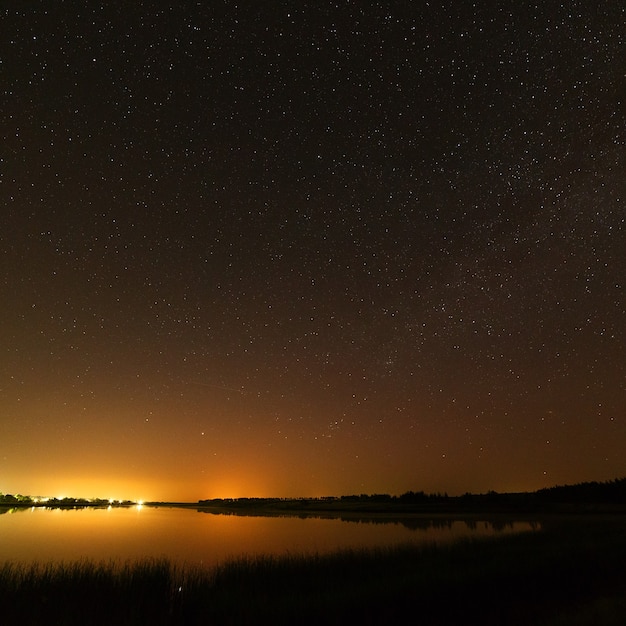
(184, 536)
(18, 509)
(412, 522)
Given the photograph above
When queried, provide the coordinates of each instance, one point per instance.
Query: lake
(193, 537)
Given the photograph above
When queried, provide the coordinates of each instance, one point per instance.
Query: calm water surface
(187, 536)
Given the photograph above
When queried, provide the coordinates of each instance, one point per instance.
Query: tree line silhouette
(612, 491)
(588, 493)
(20, 500)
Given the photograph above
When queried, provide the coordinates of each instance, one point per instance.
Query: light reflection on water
(192, 537)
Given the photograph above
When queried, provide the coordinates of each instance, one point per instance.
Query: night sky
(311, 248)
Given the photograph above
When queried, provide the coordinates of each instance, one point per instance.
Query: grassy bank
(570, 573)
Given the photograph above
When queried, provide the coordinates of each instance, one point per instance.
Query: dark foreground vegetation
(572, 572)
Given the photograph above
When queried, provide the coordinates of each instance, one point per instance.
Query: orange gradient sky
(318, 250)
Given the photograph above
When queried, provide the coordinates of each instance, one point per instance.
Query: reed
(567, 572)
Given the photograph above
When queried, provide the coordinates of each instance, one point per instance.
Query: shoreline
(293, 508)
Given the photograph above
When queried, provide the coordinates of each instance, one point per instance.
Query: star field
(313, 248)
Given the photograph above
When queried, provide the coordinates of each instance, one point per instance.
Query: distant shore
(608, 497)
(455, 507)
(583, 498)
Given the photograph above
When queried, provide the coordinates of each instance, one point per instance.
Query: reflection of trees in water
(417, 523)
(60, 507)
(442, 523)
(6, 509)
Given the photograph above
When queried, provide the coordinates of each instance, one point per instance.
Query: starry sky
(311, 248)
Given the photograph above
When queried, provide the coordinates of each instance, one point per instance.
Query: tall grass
(532, 578)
